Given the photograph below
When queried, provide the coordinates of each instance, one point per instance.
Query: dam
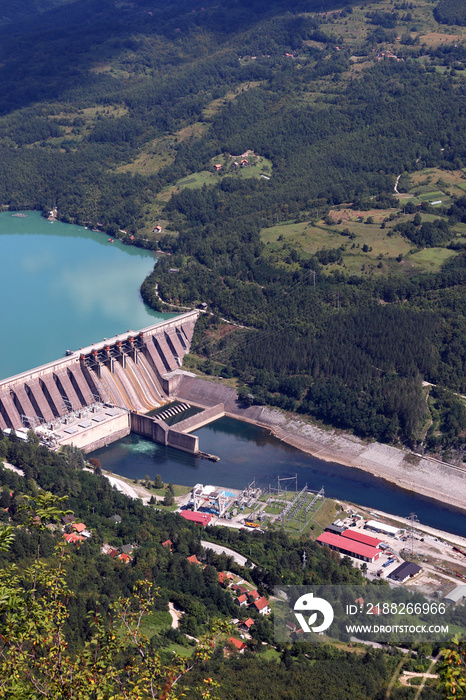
(100, 393)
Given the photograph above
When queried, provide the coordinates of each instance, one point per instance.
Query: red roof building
(193, 559)
(242, 600)
(124, 557)
(72, 538)
(361, 537)
(195, 517)
(78, 527)
(262, 606)
(351, 548)
(254, 595)
(238, 644)
(168, 544)
(247, 623)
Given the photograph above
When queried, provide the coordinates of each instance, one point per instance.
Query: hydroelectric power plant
(101, 393)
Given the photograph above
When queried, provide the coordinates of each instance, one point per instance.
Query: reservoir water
(64, 287)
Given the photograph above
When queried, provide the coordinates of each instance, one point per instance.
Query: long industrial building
(352, 544)
(131, 373)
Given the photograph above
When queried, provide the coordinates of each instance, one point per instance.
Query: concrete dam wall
(154, 428)
(135, 371)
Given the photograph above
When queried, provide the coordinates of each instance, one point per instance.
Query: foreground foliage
(115, 662)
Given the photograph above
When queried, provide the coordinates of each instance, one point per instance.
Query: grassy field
(155, 622)
(326, 514)
(366, 241)
(271, 655)
(441, 183)
(432, 259)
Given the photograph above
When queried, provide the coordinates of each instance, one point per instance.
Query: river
(64, 287)
(247, 452)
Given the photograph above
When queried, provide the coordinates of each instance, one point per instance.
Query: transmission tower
(413, 519)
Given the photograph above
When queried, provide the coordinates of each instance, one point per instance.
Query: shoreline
(407, 485)
(409, 471)
(448, 488)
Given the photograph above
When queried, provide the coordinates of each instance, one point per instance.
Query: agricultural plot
(432, 183)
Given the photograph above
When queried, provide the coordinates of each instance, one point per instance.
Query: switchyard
(256, 507)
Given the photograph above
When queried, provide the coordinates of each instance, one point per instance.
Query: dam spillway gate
(72, 399)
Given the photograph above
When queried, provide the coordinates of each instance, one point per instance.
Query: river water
(64, 287)
(247, 452)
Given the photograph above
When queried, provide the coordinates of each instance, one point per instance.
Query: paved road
(219, 549)
(122, 486)
(13, 469)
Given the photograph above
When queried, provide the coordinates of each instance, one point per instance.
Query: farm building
(350, 547)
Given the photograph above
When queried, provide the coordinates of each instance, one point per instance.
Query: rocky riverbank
(423, 475)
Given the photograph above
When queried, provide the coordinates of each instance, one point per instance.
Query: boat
(20, 216)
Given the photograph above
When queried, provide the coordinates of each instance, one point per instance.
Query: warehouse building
(350, 547)
(335, 529)
(361, 537)
(405, 571)
(456, 595)
(195, 517)
(377, 526)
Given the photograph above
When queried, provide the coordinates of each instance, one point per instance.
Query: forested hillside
(301, 169)
(81, 598)
(451, 12)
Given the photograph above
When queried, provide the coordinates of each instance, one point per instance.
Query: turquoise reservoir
(64, 287)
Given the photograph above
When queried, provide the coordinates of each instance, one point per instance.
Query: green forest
(347, 246)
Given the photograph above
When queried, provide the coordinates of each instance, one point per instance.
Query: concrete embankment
(429, 477)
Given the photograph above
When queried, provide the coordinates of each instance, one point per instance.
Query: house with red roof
(193, 559)
(72, 538)
(168, 544)
(78, 527)
(262, 606)
(247, 624)
(253, 595)
(237, 644)
(125, 557)
(242, 600)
